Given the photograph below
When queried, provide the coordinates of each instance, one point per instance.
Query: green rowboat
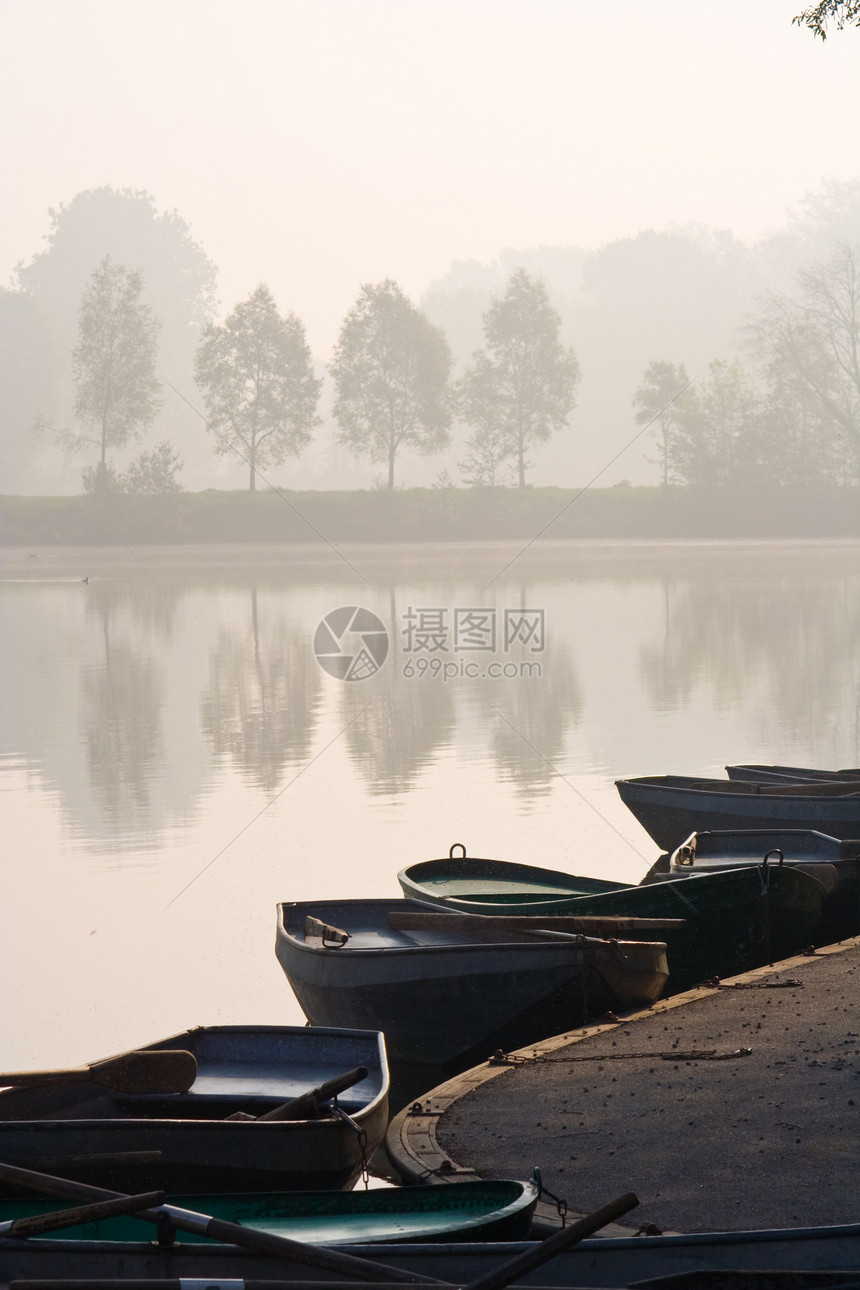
(498, 886)
(493, 1210)
(734, 920)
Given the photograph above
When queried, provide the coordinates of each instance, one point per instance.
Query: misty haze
(415, 418)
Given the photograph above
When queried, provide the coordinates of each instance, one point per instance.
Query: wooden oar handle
(56, 1220)
(307, 1104)
(182, 1283)
(96, 1160)
(517, 1267)
(330, 1260)
(409, 920)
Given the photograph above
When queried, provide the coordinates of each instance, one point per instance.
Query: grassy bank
(430, 515)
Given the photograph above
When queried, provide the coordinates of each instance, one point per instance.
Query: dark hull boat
(790, 774)
(733, 920)
(835, 862)
(184, 1142)
(671, 807)
(449, 998)
(491, 1210)
(706, 1260)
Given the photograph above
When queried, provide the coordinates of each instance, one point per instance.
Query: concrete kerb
(412, 1144)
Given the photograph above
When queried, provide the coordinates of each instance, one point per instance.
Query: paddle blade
(159, 1070)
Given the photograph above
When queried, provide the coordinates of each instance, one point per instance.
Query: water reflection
(396, 727)
(531, 719)
(260, 705)
(166, 684)
(786, 650)
(122, 731)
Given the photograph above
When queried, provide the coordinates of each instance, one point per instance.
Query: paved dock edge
(411, 1142)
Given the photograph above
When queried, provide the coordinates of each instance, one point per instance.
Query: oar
(518, 1266)
(96, 1160)
(156, 1070)
(55, 1220)
(185, 1283)
(308, 1103)
(219, 1229)
(409, 920)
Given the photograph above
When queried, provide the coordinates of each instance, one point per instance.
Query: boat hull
(597, 1261)
(834, 862)
(498, 886)
(184, 1143)
(450, 1003)
(757, 774)
(734, 920)
(670, 808)
(492, 1210)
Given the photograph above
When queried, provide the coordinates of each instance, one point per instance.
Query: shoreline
(36, 562)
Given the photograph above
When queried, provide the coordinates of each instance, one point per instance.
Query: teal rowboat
(734, 919)
(498, 886)
(493, 1210)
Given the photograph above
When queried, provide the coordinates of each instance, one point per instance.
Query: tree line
(391, 370)
(789, 412)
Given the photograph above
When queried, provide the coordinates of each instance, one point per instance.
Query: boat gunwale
(505, 1249)
(517, 1199)
(740, 790)
(577, 940)
(187, 1124)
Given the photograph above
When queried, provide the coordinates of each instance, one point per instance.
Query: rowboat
(478, 886)
(835, 862)
(186, 1142)
(490, 1210)
(449, 998)
(733, 920)
(671, 807)
(751, 773)
(776, 1259)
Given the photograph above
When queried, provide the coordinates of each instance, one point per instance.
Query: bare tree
(811, 340)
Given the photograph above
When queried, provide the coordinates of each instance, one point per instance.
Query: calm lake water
(175, 759)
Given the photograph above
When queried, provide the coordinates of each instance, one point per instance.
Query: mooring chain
(560, 1204)
(362, 1141)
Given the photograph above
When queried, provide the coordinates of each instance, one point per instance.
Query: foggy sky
(319, 144)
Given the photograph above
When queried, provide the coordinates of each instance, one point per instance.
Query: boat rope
(446, 1169)
(560, 1204)
(672, 1055)
(791, 982)
(683, 899)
